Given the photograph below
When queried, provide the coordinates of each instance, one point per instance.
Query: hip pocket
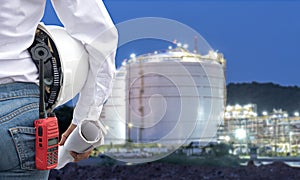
(24, 140)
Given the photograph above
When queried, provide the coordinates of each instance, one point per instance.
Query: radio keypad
(52, 155)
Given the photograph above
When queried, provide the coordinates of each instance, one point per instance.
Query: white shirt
(85, 20)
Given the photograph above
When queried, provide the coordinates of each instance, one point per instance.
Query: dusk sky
(259, 39)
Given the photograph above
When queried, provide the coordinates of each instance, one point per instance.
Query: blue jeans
(19, 104)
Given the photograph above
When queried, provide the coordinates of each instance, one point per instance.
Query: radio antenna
(41, 53)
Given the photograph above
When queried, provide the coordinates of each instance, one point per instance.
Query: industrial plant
(166, 98)
(273, 133)
(169, 99)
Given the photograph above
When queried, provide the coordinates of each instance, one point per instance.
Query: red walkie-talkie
(47, 134)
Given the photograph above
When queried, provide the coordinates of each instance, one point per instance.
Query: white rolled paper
(87, 135)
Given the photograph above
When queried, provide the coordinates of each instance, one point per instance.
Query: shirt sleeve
(89, 22)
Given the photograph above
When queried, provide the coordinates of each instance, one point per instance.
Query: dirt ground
(156, 170)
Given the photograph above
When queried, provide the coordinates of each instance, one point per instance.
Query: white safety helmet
(67, 67)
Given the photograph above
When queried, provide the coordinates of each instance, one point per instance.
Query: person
(87, 21)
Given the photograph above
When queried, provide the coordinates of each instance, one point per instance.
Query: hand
(77, 156)
(66, 134)
(80, 156)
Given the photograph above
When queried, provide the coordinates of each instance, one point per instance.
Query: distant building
(274, 133)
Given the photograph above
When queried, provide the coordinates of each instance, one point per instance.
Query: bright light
(228, 108)
(296, 114)
(264, 113)
(130, 125)
(227, 115)
(248, 106)
(179, 44)
(170, 47)
(132, 55)
(285, 115)
(237, 106)
(240, 134)
(239, 111)
(124, 62)
(245, 112)
(227, 138)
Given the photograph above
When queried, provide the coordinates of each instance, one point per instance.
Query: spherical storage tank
(170, 97)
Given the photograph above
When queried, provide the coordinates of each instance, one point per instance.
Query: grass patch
(207, 160)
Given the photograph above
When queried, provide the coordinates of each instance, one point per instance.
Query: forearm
(89, 22)
(92, 97)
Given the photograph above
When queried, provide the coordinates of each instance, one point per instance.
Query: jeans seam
(17, 97)
(19, 111)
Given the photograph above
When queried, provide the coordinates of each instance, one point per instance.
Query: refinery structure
(169, 98)
(165, 100)
(273, 133)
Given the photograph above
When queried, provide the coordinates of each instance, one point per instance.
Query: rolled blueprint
(87, 135)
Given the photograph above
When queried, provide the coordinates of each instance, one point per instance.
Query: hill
(267, 96)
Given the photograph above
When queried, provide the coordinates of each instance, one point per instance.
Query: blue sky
(259, 39)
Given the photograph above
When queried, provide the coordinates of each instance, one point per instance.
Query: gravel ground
(156, 170)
